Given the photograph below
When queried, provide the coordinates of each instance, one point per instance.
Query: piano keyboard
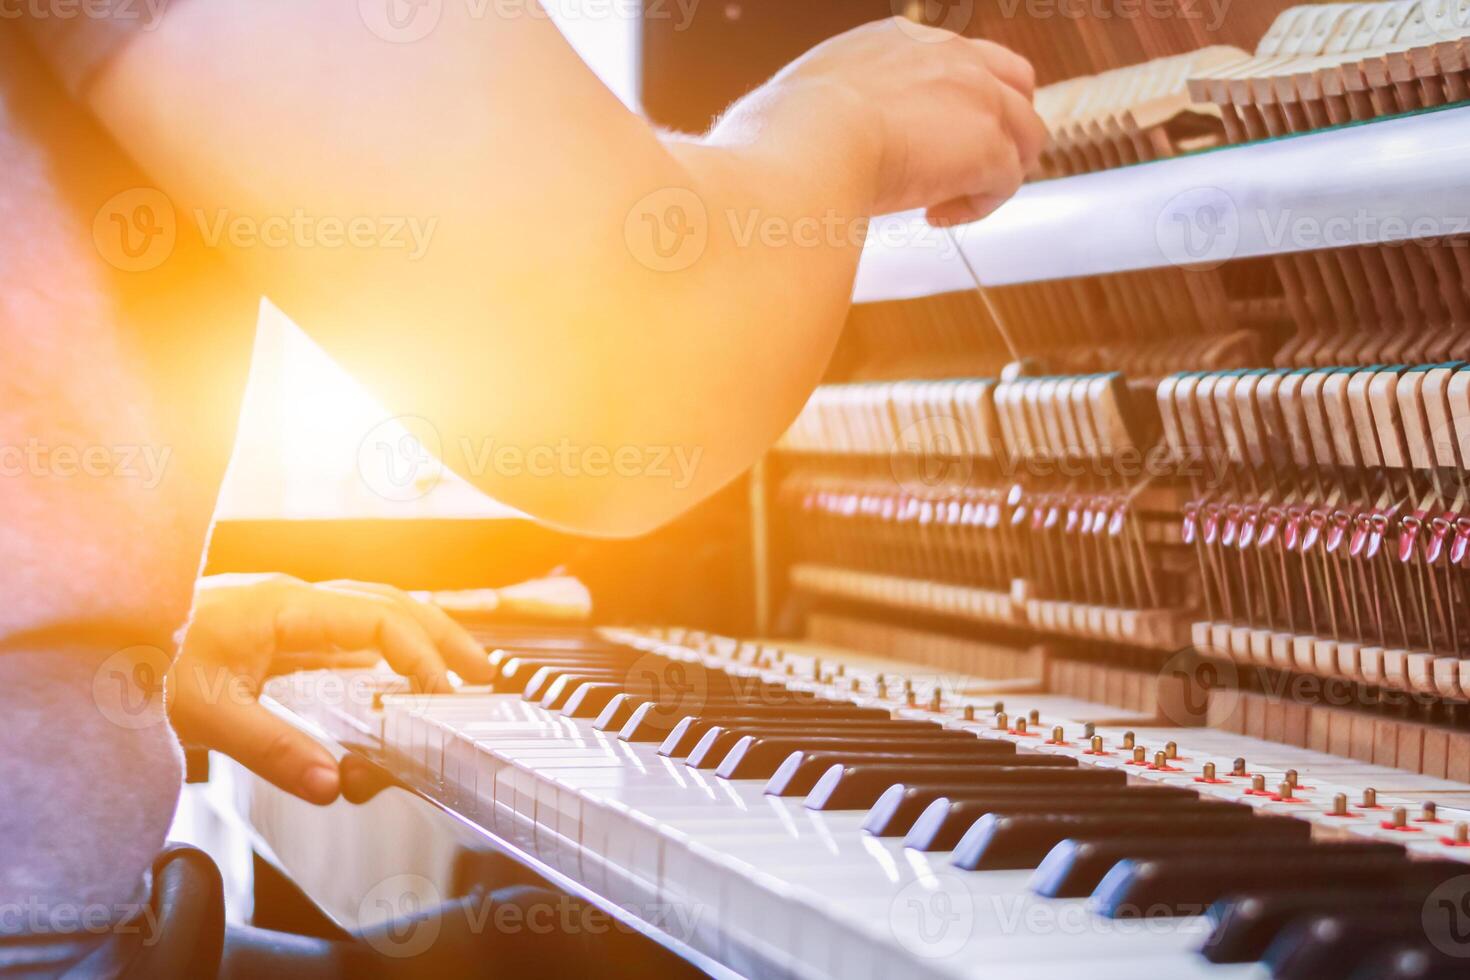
(806, 817)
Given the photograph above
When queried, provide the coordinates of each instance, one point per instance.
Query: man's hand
(246, 628)
(941, 121)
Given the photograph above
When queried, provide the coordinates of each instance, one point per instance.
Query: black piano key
(857, 787)
(798, 774)
(499, 656)
(649, 723)
(1075, 867)
(562, 691)
(612, 703)
(517, 675)
(589, 700)
(1415, 960)
(1317, 946)
(706, 735)
(945, 822)
(498, 653)
(899, 806)
(815, 760)
(554, 696)
(1013, 843)
(759, 756)
(806, 768)
(620, 709)
(522, 665)
(1244, 924)
(1189, 885)
(546, 677)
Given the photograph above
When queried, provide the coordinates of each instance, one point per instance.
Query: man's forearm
(559, 274)
(571, 280)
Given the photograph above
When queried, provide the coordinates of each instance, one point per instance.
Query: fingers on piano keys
(1335, 540)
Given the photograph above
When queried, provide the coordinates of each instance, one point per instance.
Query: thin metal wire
(995, 317)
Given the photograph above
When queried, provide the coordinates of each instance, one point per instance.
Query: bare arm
(573, 280)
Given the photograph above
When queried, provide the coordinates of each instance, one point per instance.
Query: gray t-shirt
(90, 771)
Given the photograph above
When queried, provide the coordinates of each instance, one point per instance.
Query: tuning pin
(1035, 717)
(1258, 783)
(780, 655)
(908, 687)
(1001, 721)
(1097, 745)
(1171, 750)
(1056, 736)
(1088, 730)
(1000, 707)
(1127, 740)
(856, 685)
(791, 670)
(1370, 798)
(1462, 833)
(1429, 812)
(1209, 772)
(969, 712)
(841, 670)
(910, 698)
(935, 702)
(817, 668)
(1283, 792)
(1238, 768)
(1291, 778)
(1400, 818)
(1020, 728)
(882, 688)
(1161, 760)
(1139, 755)
(1339, 806)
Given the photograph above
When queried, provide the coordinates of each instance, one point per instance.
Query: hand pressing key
(247, 628)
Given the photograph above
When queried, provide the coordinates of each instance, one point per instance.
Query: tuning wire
(990, 307)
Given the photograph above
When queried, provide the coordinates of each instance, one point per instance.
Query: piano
(1111, 593)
